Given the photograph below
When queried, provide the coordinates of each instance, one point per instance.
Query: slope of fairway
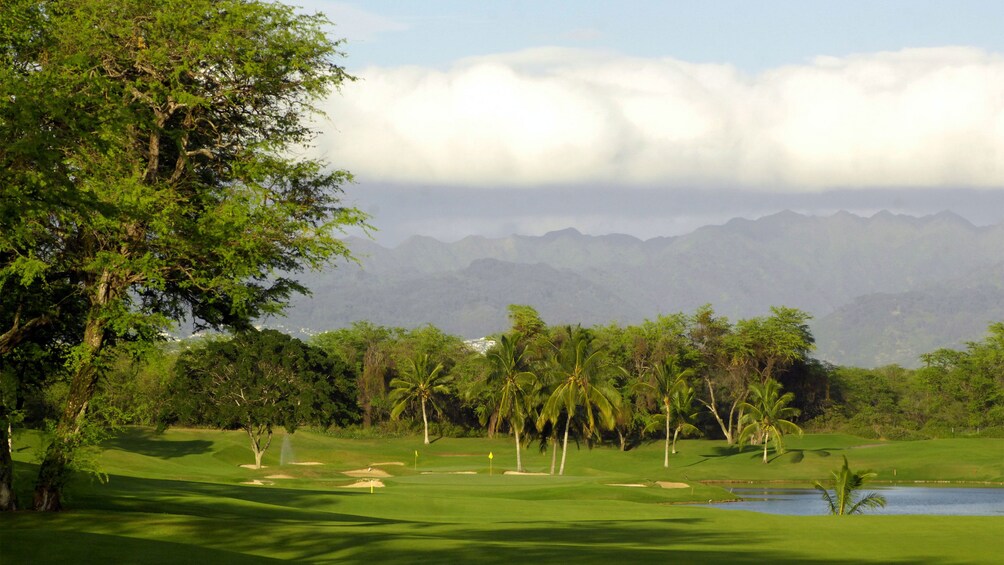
(179, 497)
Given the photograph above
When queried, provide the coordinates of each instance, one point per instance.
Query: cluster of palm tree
(547, 386)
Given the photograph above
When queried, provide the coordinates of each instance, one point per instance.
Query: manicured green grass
(179, 497)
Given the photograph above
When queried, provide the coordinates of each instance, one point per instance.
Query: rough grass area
(179, 497)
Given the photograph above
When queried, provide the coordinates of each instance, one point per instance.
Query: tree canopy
(148, 164)
(261, 380)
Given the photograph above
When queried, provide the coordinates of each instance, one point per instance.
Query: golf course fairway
(183, 497)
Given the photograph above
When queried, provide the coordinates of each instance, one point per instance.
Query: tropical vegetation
(846, 498)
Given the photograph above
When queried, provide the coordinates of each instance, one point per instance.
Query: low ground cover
(182, 496)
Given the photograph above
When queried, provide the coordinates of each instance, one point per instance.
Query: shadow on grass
(139, 520)
(149, 443)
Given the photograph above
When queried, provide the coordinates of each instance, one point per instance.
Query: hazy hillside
(882, 288)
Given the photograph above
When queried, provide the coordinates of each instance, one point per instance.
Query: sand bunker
(370, 472)
(251, 466)
(306, 463)
(278, 476)
(625, 485)
(366, 484)
(667, 484)
(522, 473)
(384, 463)
(256, 482)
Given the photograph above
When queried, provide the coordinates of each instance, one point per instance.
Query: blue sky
(701, 110)
(752, 35)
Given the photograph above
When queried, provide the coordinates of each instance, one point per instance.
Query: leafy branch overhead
(151, 166)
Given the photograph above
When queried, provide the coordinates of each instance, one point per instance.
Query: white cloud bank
(918, 117)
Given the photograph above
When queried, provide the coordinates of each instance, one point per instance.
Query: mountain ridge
(821, 264)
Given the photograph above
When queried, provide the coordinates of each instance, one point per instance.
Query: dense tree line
(749, 381)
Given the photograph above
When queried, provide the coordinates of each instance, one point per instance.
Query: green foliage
(258, 381)
(420, 382)
(768, 416)
(149, 163)
(846, 498)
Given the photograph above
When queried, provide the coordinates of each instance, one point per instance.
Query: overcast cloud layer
(929, 117)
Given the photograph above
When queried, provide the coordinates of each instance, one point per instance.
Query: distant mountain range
(883, 289)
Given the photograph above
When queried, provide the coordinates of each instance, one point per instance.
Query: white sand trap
(370, 472)
(366, 484)
(522, 473)
(280, 476)
(306, 463)
(385, 463)
(256, 482)
(633, 485)
(449, 472)
(251, 466)
(667, 484)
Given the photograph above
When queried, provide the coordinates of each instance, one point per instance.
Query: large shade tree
(261, 380)
(152, 144)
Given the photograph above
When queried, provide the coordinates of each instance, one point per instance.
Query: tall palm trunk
(554, 452)
(564, 446)
(666, 458)
(425, 422)
(766, 439)
(519, 459)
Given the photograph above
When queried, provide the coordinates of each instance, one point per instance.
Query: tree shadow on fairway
(149, 443)
(212, 500)
(723, 451)
(39, 547)
(621, 541)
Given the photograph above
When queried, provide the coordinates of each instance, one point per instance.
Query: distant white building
(481, 345)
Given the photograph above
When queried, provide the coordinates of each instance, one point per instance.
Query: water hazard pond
(946, 501)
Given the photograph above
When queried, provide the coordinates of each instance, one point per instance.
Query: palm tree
(684, 412)
(667, 378)
(767, 415)
(511, 387)
(418, 382)
(578, 372)
(845, 484)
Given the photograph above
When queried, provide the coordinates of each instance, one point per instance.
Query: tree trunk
(623, 439)
(713, 408)
(8, 500)
(53, 472)
(493, 425)
(665, 462)
(255, 436)
(519, 460)
(564, 446)
(367, 414)
(425, 422)
(554, 453)
(766, 437)
(676, 432)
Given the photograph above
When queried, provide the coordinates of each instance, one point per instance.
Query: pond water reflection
(951, 501)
